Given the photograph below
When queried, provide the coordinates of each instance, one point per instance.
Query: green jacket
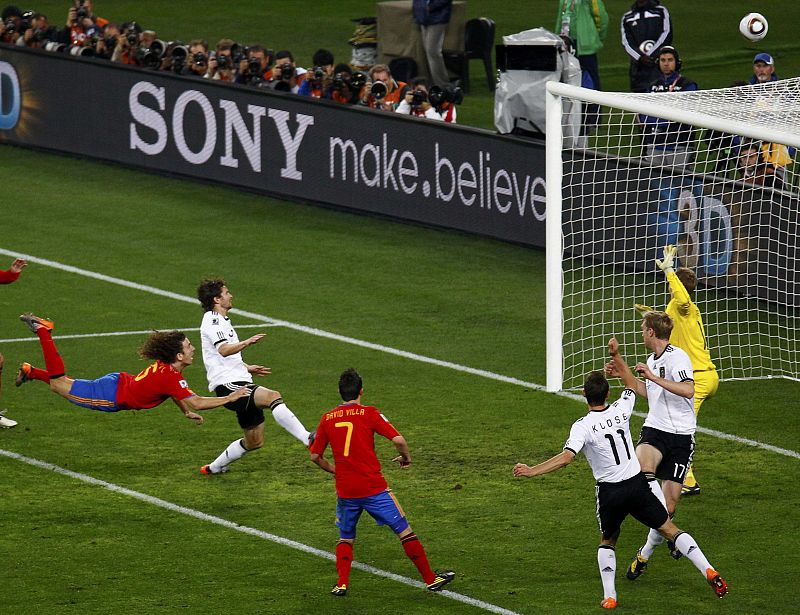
(588, 23)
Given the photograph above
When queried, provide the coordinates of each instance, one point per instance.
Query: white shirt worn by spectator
(604, 436)
(405, 108)
(669, 412)
(215, 330)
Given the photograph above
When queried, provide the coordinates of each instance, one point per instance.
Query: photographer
(416, 102)
(346, 85)
(318, 80)
(382, 91)
(221, 65)
(10, 25)
(444, 101)
(286, 77)
(38, 31)
(127, 43)
(107, 41)
(255, 68)
(80, 17)
(197, 61)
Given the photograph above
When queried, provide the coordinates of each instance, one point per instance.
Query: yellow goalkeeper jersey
(688, 332)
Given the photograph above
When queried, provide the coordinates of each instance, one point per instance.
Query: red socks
(38, 374)
(52, 360)
(344, 560)
(416, 553)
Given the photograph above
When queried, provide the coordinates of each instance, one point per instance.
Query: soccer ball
(753, 26)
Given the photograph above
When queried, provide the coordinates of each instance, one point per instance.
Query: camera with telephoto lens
(77, 50)
(179, 55)
(358, 80)
(25, 22)
(223, 62)
(317, 74)
(38, 35)
(238, 54)
(132, 35)
(340, 81)
(378, 90)
(146, 57)
(418, 97)
(199, 59)
(81, 11)
(254, 67)
(438, 95)
(55, 47)
(11, 26)
(286, 71)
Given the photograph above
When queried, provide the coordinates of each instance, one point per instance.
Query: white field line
(149, 499)
(364, 344)
(118, 333)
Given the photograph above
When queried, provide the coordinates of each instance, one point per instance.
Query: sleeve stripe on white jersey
(219, 342)
(566, 448)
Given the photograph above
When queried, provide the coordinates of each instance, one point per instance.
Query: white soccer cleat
(6, 422)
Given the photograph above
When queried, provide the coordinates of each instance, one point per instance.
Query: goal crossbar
(789, 134)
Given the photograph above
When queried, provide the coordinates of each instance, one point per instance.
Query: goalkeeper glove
(668, 264)
(641, 308)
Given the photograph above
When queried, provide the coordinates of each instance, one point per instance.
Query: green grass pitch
(525, 546)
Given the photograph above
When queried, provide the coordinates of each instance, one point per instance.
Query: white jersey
(669, 412)
(604, 436)
(214, 330)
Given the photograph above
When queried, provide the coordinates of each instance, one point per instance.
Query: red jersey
(151, 386)
(6, 277)
(350, 430)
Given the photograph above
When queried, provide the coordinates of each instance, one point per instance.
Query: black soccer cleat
(339, 590)
(442, 579)
(637, 567)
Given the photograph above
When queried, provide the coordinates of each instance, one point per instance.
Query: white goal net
(714, 172)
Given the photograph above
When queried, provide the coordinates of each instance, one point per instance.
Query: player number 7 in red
(349, 427)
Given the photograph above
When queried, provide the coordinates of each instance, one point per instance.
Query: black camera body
(286, 72)
(254, 67)
(449, 94)
(199, 59)
(418, 97)
(223, 62)
(340, 81)
(81, 11)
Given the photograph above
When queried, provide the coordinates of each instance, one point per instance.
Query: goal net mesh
(715, 173)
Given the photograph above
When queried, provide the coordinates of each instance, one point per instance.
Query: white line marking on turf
(191, 512)
(362, 343)
(116, 333)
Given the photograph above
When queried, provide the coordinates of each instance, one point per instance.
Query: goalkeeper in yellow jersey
(689, 335)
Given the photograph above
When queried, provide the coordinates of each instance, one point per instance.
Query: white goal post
(715, 172)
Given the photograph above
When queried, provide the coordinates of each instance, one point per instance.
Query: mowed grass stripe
(364, 344)
(293, 544)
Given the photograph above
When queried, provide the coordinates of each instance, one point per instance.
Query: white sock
(653, 537)
(607, 562)
(688, 546)
(235, 450)
(286, 419)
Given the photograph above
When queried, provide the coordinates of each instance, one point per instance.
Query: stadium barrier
(275, 143)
